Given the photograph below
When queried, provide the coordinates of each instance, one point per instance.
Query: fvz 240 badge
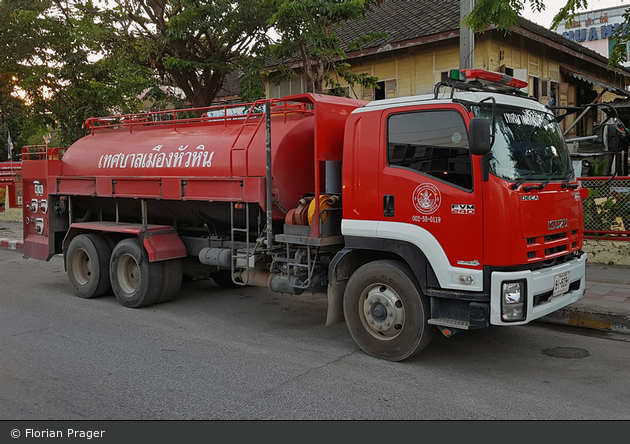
(462, 209)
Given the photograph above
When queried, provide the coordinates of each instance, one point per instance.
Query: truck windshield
(528, 145)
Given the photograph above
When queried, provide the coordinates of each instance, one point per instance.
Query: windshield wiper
(542, 185)
(566, 184)
(522, 180)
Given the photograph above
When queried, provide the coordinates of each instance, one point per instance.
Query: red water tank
(230, 148)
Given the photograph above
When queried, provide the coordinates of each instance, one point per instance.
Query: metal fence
(607, 208)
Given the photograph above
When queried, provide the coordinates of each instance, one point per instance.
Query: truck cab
(491, 236)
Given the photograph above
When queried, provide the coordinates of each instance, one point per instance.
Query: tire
(385, 311)
(172, 280)
(136, 281)
(87, 262)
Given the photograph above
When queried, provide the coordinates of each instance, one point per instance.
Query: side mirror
(479, 140)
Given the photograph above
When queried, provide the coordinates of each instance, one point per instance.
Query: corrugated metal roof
(593, 81)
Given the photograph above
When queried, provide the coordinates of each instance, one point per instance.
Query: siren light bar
(470, 75)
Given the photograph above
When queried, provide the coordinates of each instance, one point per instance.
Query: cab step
(450, 323)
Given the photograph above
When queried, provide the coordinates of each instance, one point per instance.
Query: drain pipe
(269, 203)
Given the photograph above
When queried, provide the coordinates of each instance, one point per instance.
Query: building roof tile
(409, 20)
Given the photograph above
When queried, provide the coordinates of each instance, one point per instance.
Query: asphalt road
(253, 354)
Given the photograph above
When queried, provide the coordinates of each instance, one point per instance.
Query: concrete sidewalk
(606, 303)
(605, 306)
(11, 236)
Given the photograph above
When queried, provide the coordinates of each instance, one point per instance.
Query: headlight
(513, 299)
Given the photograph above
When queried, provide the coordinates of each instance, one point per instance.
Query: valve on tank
(39, 225)
(33, 206)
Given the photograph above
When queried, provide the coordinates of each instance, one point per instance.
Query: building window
(386, 90)
(286, 87)
(534, 83)
(379, 91)
(431, 142)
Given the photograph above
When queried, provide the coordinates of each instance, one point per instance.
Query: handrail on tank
(42, 152)
(34, 152)
(156, 118)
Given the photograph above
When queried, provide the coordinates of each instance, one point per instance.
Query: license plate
(561, 283)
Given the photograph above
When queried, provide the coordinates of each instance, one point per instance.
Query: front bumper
(538, 282)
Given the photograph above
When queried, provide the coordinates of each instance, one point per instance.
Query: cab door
(431, 193)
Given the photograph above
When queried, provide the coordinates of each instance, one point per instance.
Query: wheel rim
(81, 267)
(382, 311)
(128, 274)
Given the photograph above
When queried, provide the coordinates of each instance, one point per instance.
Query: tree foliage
(622, 37)
(14, 118)
(504, 13)
(61, 58)
(193, 44)
(307, 28)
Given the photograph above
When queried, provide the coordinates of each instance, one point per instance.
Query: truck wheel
(172, 280)
(136, 281)
(385, 311)
(87, 263)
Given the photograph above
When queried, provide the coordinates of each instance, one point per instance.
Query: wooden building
(423, 45)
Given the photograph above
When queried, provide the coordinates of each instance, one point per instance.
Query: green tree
(621, 35)
(193, 44)
(307, 28)
(504, 13)
(64, 61)
(14, 119)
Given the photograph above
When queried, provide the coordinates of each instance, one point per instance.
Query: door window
(431, 142)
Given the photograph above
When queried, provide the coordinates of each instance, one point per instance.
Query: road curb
(602, 319)
(12, 244)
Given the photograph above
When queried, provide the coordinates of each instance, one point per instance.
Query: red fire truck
(453, 211)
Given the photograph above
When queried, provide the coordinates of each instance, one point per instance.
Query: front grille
(554, 250)
(549, 246)
(556, 236)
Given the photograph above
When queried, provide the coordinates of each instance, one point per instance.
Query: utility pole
(466, 37)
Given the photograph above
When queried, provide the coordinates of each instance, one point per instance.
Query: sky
(553, 6)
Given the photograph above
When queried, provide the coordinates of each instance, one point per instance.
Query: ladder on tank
(238, 256)
(253, 120)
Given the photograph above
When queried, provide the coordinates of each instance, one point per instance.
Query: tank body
(220, 151)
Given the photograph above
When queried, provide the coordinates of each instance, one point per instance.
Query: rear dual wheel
(173, 276)
(136, 281)
(94, 270)
(87, 262)
(385, 311)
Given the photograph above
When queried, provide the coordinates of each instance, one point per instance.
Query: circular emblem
(427, 198)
